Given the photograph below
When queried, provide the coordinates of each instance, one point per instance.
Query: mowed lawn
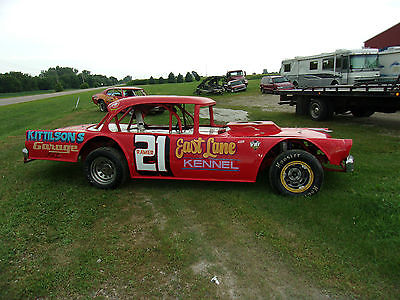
(62, 238)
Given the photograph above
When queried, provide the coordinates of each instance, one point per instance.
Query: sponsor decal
(211, 164)
(209, 151)
(255, 144)
(55, 136)
(208, 148)
(55, 148)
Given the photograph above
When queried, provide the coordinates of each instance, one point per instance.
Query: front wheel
(296, 173)
(106, 168)
(102, 106)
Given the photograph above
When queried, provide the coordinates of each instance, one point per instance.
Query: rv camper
(340, 67)
(389, 64)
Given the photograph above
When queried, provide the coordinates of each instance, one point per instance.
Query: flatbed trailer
(362, 100)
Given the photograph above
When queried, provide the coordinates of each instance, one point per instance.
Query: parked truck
(237, 75)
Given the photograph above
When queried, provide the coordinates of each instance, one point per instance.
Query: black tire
(362, 112)
(296, 173)
(102, 106)
(106, 168)
(296, 84)
(320, 109)
(334, 82)
(301, 106)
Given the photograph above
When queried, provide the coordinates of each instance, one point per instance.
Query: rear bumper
(349, 164)
(25, 152)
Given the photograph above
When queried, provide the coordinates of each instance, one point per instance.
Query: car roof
(125, 88)
(154, 99)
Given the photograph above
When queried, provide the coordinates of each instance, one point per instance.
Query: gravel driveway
(14, 100)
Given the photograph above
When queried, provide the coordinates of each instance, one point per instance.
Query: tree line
(189, 77)
(58, 78)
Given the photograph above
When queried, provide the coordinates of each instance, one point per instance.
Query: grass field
(61, 238)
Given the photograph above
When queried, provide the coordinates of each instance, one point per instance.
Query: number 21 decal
(152, 154)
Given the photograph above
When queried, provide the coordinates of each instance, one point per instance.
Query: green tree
(161, 80)
(179, 79)
(152, 80)
(127, 78)
(188, 77)
(171, 78)
(195, 75)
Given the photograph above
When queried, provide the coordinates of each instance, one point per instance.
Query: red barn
(388, 38)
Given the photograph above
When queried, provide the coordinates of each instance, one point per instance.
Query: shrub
(137, 82)
(58, 87)
(84, 85)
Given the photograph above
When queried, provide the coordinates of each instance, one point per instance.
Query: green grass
(61, 238)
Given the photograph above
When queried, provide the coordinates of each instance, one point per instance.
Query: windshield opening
(364, 62)
(279, 79)
(236, 73)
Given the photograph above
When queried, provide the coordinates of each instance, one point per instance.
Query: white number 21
(145, 146)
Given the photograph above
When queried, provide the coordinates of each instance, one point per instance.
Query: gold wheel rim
(297, 177)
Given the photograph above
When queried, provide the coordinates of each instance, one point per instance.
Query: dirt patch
(226, 114)
(266, 102)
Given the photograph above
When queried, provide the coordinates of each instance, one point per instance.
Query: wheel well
(98, 142)
(291, 144)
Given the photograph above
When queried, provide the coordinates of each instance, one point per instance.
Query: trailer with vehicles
(362, 100)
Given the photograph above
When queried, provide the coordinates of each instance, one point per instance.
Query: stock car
(103, 99)
(128, 142)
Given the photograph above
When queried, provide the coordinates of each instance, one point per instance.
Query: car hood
(285, 85)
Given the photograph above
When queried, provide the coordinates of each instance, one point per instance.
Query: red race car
(115, 93)
(129, 141)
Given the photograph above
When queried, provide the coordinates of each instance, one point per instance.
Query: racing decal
(55, 136)
(152, 154)
(255, 145)
(210, 164)
(55, 148)
(113, 106)
(210, 152)
(208, 148)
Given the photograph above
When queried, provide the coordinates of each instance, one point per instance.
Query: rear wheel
(320, 109)
(301, 106)
(296, 173)
(102, 106)
(106, 168)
